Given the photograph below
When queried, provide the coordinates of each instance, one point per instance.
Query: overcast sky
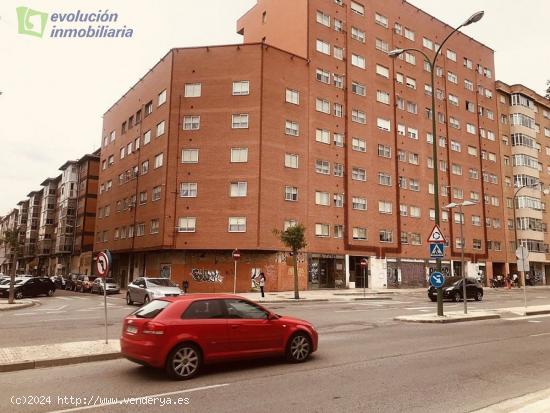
(54, 91)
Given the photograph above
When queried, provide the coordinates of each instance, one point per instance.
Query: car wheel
(298, 348)
(479, 296)
(184, 362)
(457, 297)
(129, 299)
(18, 295)
(146, 300)
(434, 299)
(50, 292)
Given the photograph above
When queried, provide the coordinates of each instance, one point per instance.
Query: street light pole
(464, 294)
(393, 54)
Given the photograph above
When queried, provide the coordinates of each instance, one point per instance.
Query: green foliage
(10, 239)
(294, 237)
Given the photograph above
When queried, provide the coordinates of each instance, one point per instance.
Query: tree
(294, 238)
(10, 241)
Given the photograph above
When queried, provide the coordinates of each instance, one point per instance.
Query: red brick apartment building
(308, 121)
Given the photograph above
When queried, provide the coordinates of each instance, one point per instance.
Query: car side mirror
(272, 316)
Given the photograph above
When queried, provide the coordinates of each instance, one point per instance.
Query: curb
(293, 300)
(537, 312)
(63, 361)
(448, 320)
(13, 307)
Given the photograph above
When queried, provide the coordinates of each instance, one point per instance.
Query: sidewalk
(18, 304)
(49, 355)
(538, 402)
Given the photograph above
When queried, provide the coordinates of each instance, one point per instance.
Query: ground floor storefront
(215, 271)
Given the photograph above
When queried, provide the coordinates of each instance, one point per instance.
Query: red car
(180, 334)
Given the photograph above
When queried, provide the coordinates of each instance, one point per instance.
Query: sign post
(437, 251)
(364, 264)
(103, 263)
(236, 255)
(522, 255)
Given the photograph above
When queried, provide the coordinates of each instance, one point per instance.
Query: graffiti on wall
(255, 278)
(207, 276)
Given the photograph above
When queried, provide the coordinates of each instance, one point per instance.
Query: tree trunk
(295, 262)
(12, 278)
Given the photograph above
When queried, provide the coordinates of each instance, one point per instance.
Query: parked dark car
(70, 282)
(454, 292)
(29, 287)
(84, 283)
(112, 286)
(182, 333)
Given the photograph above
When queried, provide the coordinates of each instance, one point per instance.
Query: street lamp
(460, 205)
(545, 191)
(393, 54)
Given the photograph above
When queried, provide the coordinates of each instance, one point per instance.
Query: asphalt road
(366, 363)
(70, 316)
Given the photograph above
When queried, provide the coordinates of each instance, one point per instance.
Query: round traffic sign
(437, 279)
(236, 254)
(102, 264)
(364, 262)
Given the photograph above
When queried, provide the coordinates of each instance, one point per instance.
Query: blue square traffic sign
(437, 250)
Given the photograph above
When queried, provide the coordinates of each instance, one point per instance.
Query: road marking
(51, 309)
(534, 321)
(539, 335)
(350, 311)
(64, 298)
(419, 308)
(130, 401)
(25, 314)
(528, 317)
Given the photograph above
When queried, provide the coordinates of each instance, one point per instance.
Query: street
(366, 361)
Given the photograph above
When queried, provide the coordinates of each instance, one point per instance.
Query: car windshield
(161, 282)
(456, 283)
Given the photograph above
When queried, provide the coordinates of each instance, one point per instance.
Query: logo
(31, 22)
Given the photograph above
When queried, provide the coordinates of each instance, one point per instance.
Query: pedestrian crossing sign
(437, 250)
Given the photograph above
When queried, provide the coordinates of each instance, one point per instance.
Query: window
(160, 128)
(129, 148)
(322, 135)
(338, 231)
(338, 81)
(238, 155)
(411, 83)
(451, 77)
(409, 34)
(146, 137)
(291, 160)
(191, 122)
(338, 110)
(239, 121)
(455, 146)
(383, 124)
(456, 169)
(122, 152)
(427, 43)
(323, 47)
(159, 160)
(192, 90)
(358, 61)
(322, 105)
(384, 179)
(292, 96)
(384, 151)
(339, 139)
(291, 193)
(384, 207)
(206, 309)
(144, 167)
(359, 233)
(383, 97)
(357, 8)
(292, 128)
(358, 116)
(338, 53)
(190, 156)
(322, 167)
(453, 100)
(359, 89)
(382, 45)
(383, 71)
(358, 34)
(155, 225)
(410, 58)
(289, 223)
(381, 20)
(241, 88)
(359, 203)
(140, 229)
(238, 189)
(338, 200)
(338, 169)
(359, 145)
(358, 174)
(322, 230)
(451, 55)
(188, 190)
(323, 76)
(111, 160)
(237, 224)
(322, 198)
(156, 193)
(323, 18)
(161, 98)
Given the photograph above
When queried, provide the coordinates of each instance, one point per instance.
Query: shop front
(326, 271)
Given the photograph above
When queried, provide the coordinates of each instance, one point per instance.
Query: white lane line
(55, 312)
(68, 319)
(64, 298)
(419, 308)
(539, 335)
(19, 314)
(130, 401)
(52, 309)
(350, 311)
